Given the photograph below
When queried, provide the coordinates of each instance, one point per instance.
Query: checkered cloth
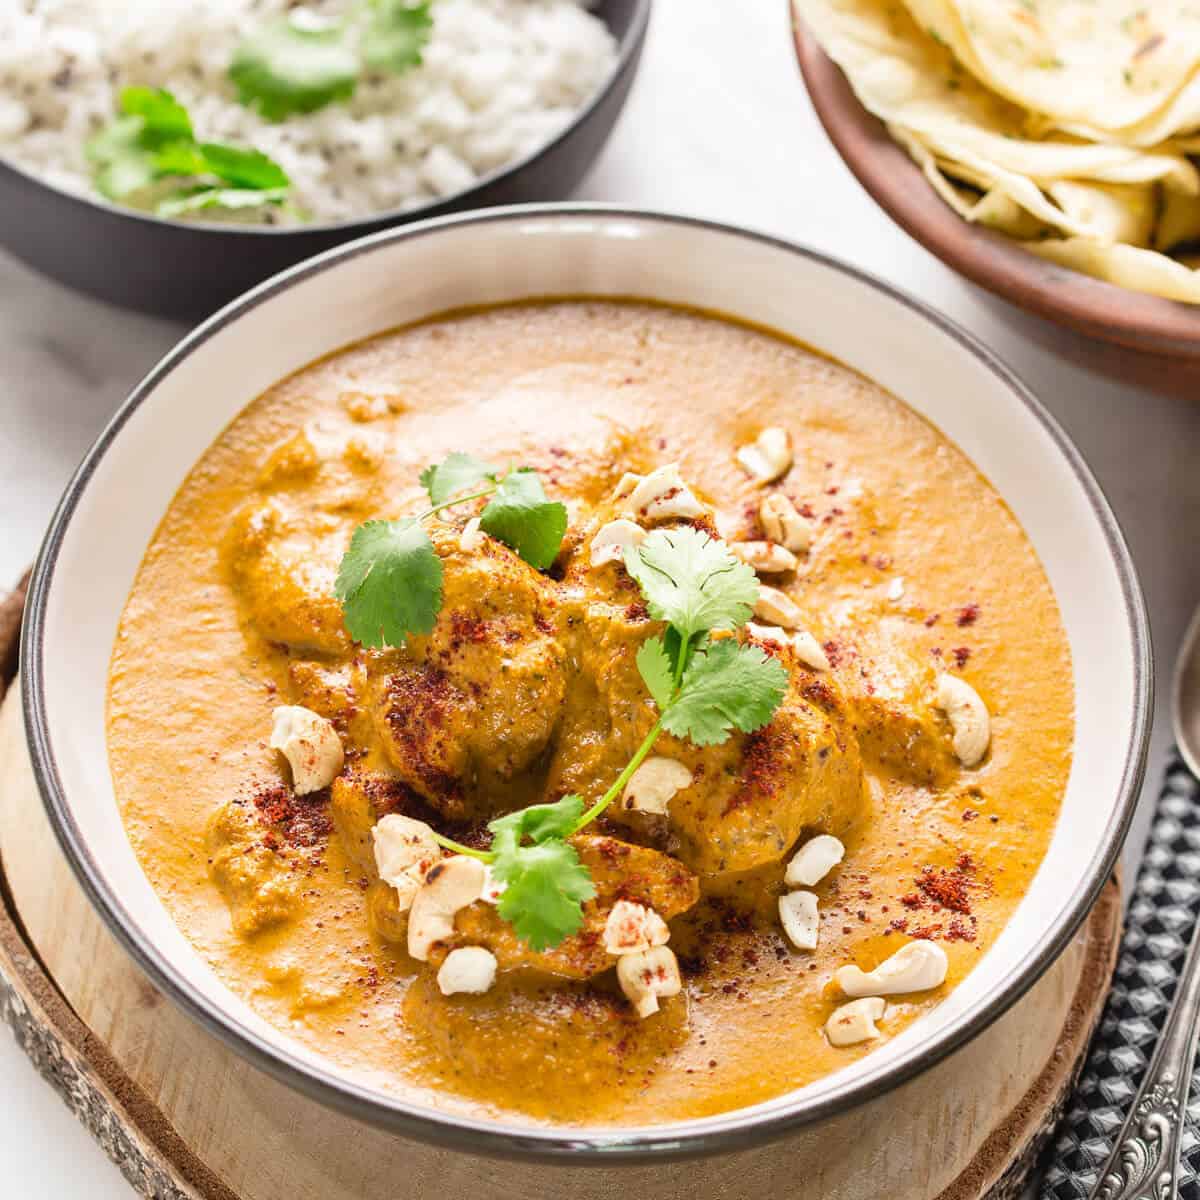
(1164, 908)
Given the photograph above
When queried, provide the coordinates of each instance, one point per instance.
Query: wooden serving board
(183, 1117)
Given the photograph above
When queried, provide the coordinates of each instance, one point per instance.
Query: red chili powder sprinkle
(961, 655)
(925, 932)
(967, 615)
(465, 628)
(947, 889)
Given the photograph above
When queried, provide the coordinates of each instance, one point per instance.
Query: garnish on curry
(588, 711)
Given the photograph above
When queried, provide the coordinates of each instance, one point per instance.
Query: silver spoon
(1144, 1164)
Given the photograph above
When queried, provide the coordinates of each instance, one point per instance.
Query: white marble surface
(718, 125)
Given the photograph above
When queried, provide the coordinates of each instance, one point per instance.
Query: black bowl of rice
(502, 102)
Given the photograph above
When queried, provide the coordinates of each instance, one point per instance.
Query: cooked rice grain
(499, 79)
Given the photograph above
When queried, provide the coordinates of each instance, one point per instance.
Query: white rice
(499, 79)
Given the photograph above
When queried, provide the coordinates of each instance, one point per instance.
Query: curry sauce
(916, 568)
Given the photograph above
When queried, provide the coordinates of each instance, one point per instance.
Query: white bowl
(114, 503)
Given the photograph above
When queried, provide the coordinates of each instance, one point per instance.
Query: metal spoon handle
(1144, 1163)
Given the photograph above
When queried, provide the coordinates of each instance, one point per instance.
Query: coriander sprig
(302, 62)
(153, 141)
(390, 579)
(703, 689)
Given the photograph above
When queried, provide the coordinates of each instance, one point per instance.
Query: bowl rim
(628, 46)
(1095, 307)
(726, 1131)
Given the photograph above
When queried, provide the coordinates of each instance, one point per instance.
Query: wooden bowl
(1100, 310)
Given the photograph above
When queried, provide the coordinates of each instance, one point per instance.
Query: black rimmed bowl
(113, 505)
(187, 270)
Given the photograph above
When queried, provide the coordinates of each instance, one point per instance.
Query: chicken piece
(251, 874)
(464, 710)
(620, 871)
(284, 565)
(889, 683)
(384, 915)
(752, 795)
(358, 801)
(295, 461)
(903, 738)
(332, 692)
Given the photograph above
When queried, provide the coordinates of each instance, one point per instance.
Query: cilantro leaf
(726, 686)
(546, 884)
(459, 473)
(180, 158)
(243, 168)
(126, 150)
(294, 65)
(395, 35)
(163, 118)
(213, 197)
(538, 822)
(154, 139)
(389, 583)
(654, 664)
(520, 516)
(692, 581)
(124, 163)
(545, 888)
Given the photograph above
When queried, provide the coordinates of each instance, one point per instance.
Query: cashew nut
(472, 537)
(450, 885)
(405, 852)
(652, 785)
(855, 1022)
(632, 928)
(611, 540)
(913, 968)
(798, 913)
(310, 744)
(814, 860)
(806, 647)
(968, 717)
(767, 558)
(663, 496)
(778, 608)
(470, 969)
(625, 486)
(646, 976)
(783, 524)
(769, 633)
(769, 456)
(809, 652)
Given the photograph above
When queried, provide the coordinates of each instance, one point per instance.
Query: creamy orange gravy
(585, 391)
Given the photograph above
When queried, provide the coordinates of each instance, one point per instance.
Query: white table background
(718, 125)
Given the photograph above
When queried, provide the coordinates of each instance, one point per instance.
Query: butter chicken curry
(591, 712)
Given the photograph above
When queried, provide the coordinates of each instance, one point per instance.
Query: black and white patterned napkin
(1163, 910)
